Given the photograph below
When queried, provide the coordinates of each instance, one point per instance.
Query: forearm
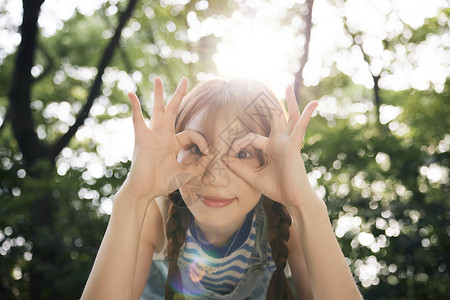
(329, 274)
(114, 267)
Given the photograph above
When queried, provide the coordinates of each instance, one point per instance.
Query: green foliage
(372, 179)
(75, 234)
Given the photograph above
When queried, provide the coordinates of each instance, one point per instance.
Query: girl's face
(219, 197)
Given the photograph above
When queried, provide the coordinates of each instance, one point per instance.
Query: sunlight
(258, 50)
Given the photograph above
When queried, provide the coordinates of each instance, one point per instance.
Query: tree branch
(376, 90)
(298, 84)
(95, 89)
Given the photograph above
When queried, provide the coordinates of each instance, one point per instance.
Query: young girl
(217, 203)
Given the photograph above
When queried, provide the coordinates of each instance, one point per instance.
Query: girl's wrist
(305, 200)
(129, 207)
(131, 195)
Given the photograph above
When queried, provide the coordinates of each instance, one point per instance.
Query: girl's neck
(220, 235)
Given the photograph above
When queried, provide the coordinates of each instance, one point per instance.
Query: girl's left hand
(283, 177)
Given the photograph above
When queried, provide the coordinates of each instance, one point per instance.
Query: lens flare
(197, 269)
(195, 272)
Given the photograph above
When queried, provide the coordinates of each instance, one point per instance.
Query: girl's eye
(243, 154)
(195, 149)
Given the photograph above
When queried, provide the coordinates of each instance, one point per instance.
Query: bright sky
(260, 48)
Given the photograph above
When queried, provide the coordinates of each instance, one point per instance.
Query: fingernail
(181, 81)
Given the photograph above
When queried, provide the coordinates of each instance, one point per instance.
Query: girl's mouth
(212, 201)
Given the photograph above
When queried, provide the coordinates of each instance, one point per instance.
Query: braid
(177, 223)
(278, 225)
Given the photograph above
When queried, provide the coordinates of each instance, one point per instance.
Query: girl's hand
(283, 177)
(156, 146)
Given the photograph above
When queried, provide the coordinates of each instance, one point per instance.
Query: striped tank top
(229, 269)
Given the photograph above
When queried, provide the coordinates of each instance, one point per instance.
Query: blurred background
(377, 150)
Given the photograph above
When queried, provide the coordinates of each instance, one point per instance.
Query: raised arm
(152, 240)
(328, 272)
(113, 272)
(154, 165)
(298, 267)
(283, 179)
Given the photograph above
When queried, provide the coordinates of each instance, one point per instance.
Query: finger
(190, 136)
(277, 120)
(250, 139)
(158, 104)
(299, 130)
(241, 169)
(294, 112)
(174, 103)
(137, 117)
(278, 123)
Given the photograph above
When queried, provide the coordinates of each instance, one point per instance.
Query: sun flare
(259, 50)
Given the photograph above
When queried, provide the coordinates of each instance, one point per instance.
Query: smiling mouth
(216, 202)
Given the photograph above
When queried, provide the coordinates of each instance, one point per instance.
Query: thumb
(241, 169)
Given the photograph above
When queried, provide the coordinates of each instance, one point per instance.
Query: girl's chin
(213, 217)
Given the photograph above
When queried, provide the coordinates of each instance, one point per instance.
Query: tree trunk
(39, 157)
(20, 90)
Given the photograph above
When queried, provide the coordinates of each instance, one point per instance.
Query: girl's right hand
(156, 147)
